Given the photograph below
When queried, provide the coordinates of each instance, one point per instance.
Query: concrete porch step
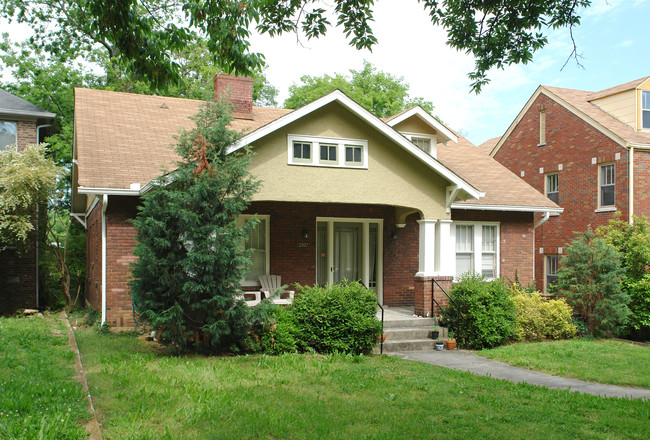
(401, 334)
(407, 345)
(410, 323)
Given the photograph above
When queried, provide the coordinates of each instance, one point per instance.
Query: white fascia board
(426, 117)
(477, 207)
(372, 120)
(639, 146)
(109, 191)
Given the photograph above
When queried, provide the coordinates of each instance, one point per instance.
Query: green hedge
(539, 318)
(337, 318)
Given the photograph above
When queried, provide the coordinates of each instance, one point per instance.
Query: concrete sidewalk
(473, 363)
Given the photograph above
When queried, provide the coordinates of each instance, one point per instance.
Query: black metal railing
(452, 320)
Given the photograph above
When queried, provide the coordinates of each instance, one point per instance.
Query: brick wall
(571, 144)
(641, 182)
(18, 266)
(516, 240)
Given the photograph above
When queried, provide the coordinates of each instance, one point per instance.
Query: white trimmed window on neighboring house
(553, 187)
(550, 271)
(477, 249)
(607, 185)
(258, 240)
(8, 135)
(645, 109)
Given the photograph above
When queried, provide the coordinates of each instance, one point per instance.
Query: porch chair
(272, 289)
(249, 302)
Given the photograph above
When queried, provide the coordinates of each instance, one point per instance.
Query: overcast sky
(612, 39)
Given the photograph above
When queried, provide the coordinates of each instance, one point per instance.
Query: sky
(612, 40)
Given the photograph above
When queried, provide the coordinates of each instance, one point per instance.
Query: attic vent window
(327, 152)
(646, 109)
(422, 143)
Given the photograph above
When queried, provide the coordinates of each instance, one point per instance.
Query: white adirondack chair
(271, 284)
(249, 302)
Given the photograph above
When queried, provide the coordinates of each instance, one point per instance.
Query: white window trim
(478, 246)
(316, 141)
(644, 110)
(15, 144)
(433, 141)
(267, 238)
(600, 207)
(546, 269)
(546, 186)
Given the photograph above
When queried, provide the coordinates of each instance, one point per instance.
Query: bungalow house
(587, 151)
(21, 124)
(394, 203)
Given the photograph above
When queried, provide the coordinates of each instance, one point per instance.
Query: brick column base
(424, 288)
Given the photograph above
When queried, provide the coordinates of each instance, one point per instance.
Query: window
(258, 241)
(7, 135)
(353, 155)
(489, 251)
(422, 143)
(542, 128)
(302, 151)
(553, 187)
(477, 249)
(551, 273)
(328, 153)
(464, 249)
(607, 187)
(645, 111)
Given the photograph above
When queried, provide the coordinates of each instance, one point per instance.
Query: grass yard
(39, 399)
(142, 393)
(604, 360)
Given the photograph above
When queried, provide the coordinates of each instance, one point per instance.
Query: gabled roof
(422, 114)
(578, 102)
(11, 105)
(504, 191)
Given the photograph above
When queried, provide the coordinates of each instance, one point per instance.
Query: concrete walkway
(468, 361)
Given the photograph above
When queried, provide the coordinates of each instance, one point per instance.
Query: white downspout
(38, 132)
(104, 206)
(541, 221)
(630, 196)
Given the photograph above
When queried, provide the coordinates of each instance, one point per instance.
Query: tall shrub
(337, 318)
(539, 318)
(189, 246)
(589, 278)
(486, 315)
(632, 241)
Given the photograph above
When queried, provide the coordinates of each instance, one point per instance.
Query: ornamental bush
(336, 318)
(487, 316)
(539, 318)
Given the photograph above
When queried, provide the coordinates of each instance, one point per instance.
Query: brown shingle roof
(488, 145)
(617, 89)
(501, 186)
(124, 138)
(580, 100)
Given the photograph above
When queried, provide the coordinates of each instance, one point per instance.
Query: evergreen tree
(590, 278)
(189, 245)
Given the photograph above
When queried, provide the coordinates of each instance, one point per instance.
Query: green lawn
(604, 361)
(142, 393)
(39, 399)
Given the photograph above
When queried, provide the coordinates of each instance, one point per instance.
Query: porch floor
(397, 313)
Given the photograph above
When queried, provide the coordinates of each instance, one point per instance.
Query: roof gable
(424, 116)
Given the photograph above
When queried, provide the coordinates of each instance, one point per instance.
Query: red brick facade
(293, 256)
(574, 150)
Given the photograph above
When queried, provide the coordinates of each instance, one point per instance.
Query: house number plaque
(303, 244)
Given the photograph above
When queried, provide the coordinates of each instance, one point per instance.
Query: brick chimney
(238, 90)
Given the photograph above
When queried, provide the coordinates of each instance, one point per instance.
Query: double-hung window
(477, 249)
(607, 193)
(551, 273)
(645, 109)
(8, 131)
(257, 241)
(553, 187)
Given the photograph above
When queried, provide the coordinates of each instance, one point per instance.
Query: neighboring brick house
(587, 151)
(393, 203)
(21, 124)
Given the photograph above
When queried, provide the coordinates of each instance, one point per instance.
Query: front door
(349, 249)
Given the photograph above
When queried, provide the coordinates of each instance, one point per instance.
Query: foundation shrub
(539, 318)
(337, 318)
(487, 315)
(273, 330)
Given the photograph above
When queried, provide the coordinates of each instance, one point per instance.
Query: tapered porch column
(427, 254)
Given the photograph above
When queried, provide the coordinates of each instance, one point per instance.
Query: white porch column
(427, 248)
(445, 249)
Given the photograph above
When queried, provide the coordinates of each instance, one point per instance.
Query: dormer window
(645, 110)
(422, 143)
(327, 152)
(425, 142)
